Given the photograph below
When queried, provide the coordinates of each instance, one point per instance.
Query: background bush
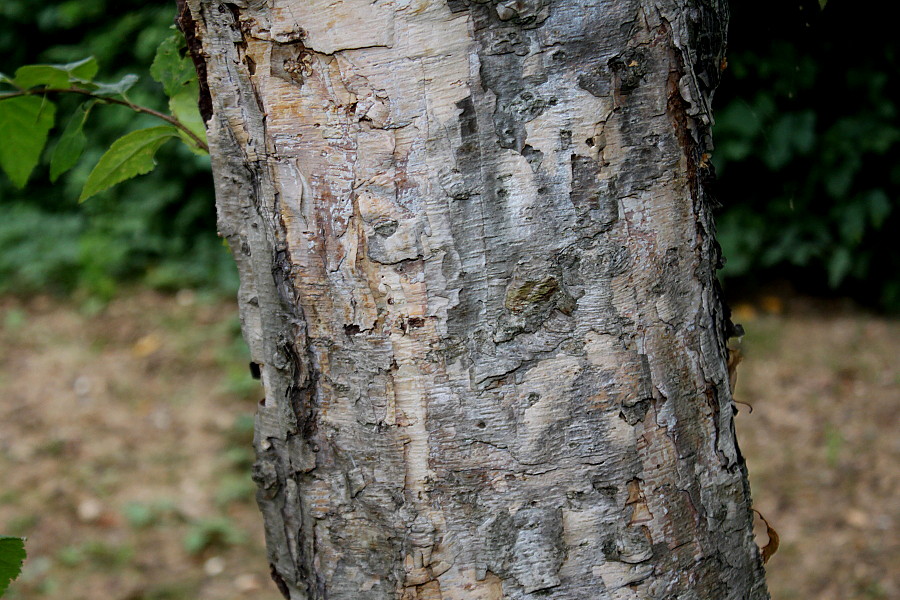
(807, 139)
(158, 229)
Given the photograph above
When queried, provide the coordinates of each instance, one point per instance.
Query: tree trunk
(477, 270)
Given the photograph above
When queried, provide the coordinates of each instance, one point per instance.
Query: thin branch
(135, 107)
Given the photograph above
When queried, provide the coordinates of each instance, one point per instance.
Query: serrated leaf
(56, 76)
(12, 554)
(170, 68)
(117, 88)
(129, 156)
(71, 144)
(184, 107)
(25, 122)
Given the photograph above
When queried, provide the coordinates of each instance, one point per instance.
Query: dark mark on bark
(505, 40)
(292, 62)
(387, 228)
(594, 206)
(534, 158)
(627, 69)
(636, 412)
(457, 6)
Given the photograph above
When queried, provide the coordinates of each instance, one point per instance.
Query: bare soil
(125, 449)
(822, 446)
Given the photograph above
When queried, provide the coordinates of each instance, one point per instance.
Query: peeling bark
(477, 270)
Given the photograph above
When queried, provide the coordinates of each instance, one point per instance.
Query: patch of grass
(232, 357)
(14, 319)
(175, 590)
(107, 556)
(834, 443)
(53, 447)
(98, 553)
(139, 515)
(22, 525)
(762, 336)
(243, 426)
(237, 382)
(235, 488)
(142, 515)
(240, 458)
(872, 590)
(239, 441)
(70, 556)
(213, 532)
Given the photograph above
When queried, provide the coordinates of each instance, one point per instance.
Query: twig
(135, 107)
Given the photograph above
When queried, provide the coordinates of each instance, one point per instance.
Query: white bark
(478, 272)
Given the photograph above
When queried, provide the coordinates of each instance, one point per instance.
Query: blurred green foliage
(158, 229)
(212, 532)
(807, 147)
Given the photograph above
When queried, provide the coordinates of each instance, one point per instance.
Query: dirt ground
(125, 449)
(822, 446)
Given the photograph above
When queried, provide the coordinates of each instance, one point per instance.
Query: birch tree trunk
(477, 270)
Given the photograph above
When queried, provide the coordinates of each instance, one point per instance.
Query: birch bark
(477, 270)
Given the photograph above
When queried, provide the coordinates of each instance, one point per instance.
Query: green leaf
(879, 207)
(56, 76)
(792, 134)
(25, 122)
(129, 156)
(184, 107)
(83, 70)
(838, 266)
(46, 75)
(851, 222)
(71, 143)
(12, 553)
(839, 179)
(117, 88)
(170, 68)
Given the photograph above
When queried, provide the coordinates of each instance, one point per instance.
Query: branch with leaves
(28, 115)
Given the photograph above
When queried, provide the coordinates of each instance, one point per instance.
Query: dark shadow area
(807, 136)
